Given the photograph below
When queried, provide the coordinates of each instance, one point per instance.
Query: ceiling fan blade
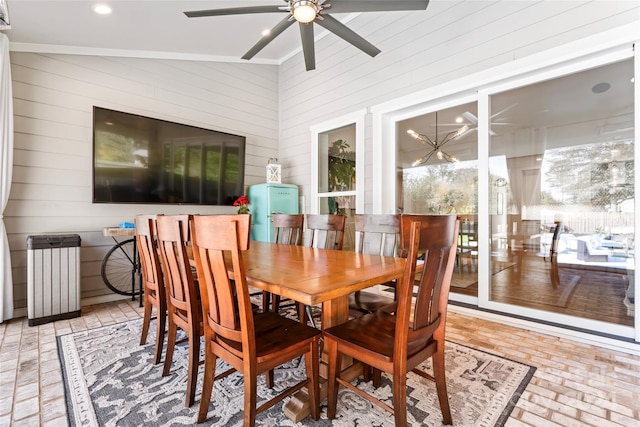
(234, 11)
(275, 31)
(346, 6)
(471, 117)
(341, 30)
(504, 110)
(308, 45)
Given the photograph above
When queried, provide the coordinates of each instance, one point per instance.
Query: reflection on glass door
(438, 174)
(562, 195)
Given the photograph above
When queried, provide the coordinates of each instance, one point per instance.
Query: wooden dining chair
(252, 343)
(397, 340)
(467, 243)
(183, 304)
(326, 232)
(154, 296)
(376, 235)
(289, 229)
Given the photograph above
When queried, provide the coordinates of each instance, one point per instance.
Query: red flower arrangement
(242, 203)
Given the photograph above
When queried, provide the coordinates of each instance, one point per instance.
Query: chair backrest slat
(226, 306)
(436, 240)
(377, 234)
(289, 228)
(325, 231)
(182, 293)
(149, 260)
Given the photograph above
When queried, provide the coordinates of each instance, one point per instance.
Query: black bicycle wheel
(119, 269)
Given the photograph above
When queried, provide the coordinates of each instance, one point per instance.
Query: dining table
(315, 276)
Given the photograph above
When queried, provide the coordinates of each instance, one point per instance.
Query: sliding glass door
(561, 191)
(540, 170)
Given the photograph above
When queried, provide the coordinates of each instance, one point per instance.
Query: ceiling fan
(306, 12)
(473, 120)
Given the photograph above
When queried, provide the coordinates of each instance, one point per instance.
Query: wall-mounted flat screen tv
(140, 159)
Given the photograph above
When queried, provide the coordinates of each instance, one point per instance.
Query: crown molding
(147, 54)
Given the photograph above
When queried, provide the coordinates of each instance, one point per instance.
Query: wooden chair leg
(269, 298)
(145, 322)
(207, 384)
(377, 377)
(269, 378)
(160, 325)
(171, 343)
(192, 372)
(441, 385)
(250, 398)
(302, 313)
(332, 383)
(312, 365)
(266, 297)
(400, 399)
(366, 372)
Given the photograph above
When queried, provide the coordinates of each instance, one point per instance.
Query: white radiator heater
(53, 278)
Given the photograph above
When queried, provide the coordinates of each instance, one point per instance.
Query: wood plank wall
(53, 100)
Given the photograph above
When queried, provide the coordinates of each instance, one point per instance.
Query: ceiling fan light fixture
(435, 145)
(102, 9)
(304, 11)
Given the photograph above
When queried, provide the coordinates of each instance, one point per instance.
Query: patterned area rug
(110, 381)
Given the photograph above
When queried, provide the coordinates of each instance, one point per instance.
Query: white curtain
(524, 183)
(6, 167)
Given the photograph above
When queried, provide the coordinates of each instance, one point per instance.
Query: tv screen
(139, 159)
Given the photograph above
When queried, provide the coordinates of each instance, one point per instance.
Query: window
(337, 176)
(438, 174)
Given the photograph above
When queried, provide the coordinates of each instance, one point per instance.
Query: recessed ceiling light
(600, 87)
(458, 119)
(102, 9)
(266, 32)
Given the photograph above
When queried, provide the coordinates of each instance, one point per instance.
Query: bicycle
(120, 269)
